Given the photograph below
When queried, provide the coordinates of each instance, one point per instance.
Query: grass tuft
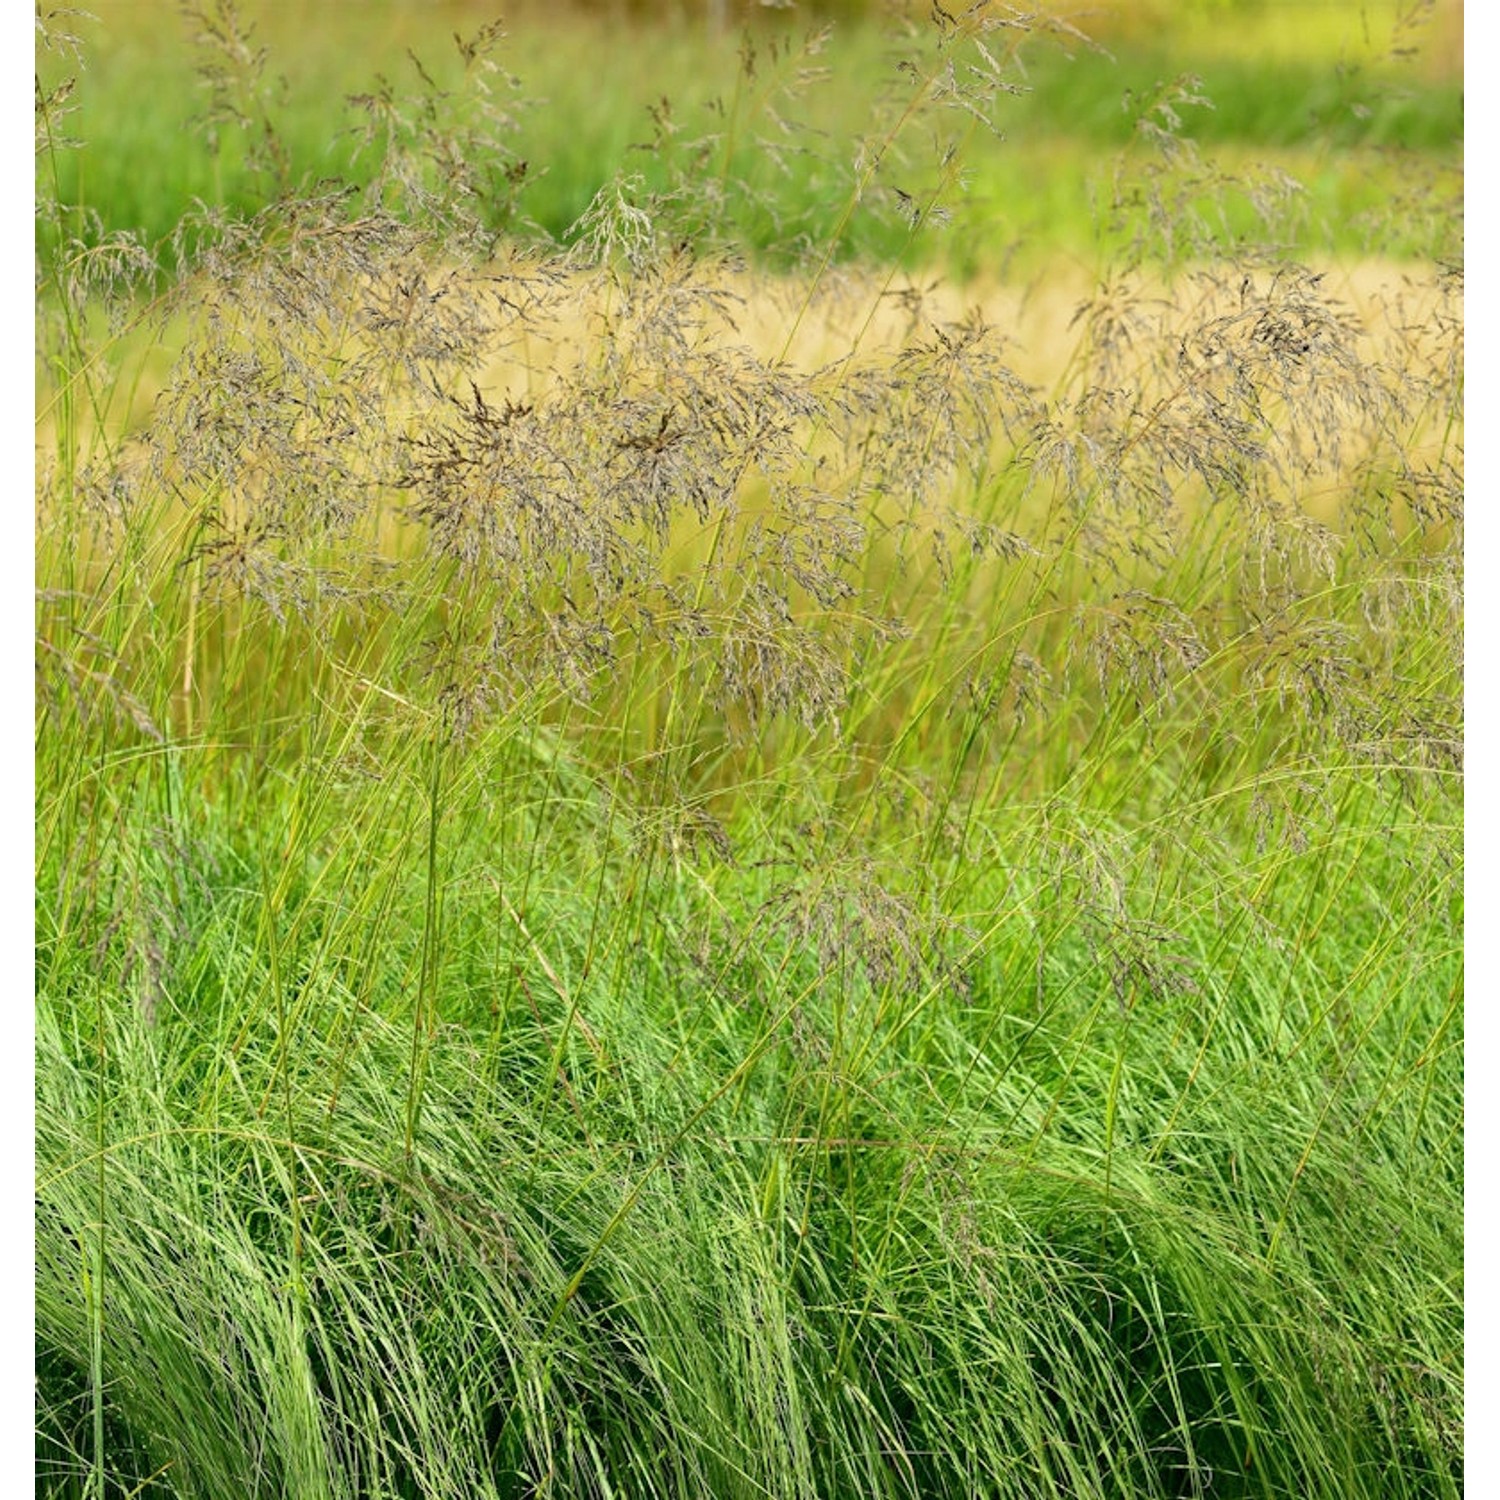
(675, 859)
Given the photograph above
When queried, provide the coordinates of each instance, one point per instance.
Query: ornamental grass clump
(672, 869)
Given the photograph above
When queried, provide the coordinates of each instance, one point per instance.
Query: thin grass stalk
(424, 1015)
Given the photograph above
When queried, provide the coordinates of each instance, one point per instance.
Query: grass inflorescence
(668, 871)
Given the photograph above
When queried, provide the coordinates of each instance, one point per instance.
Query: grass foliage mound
(637, 899)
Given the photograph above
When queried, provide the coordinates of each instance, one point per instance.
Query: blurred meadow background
(749, 749)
